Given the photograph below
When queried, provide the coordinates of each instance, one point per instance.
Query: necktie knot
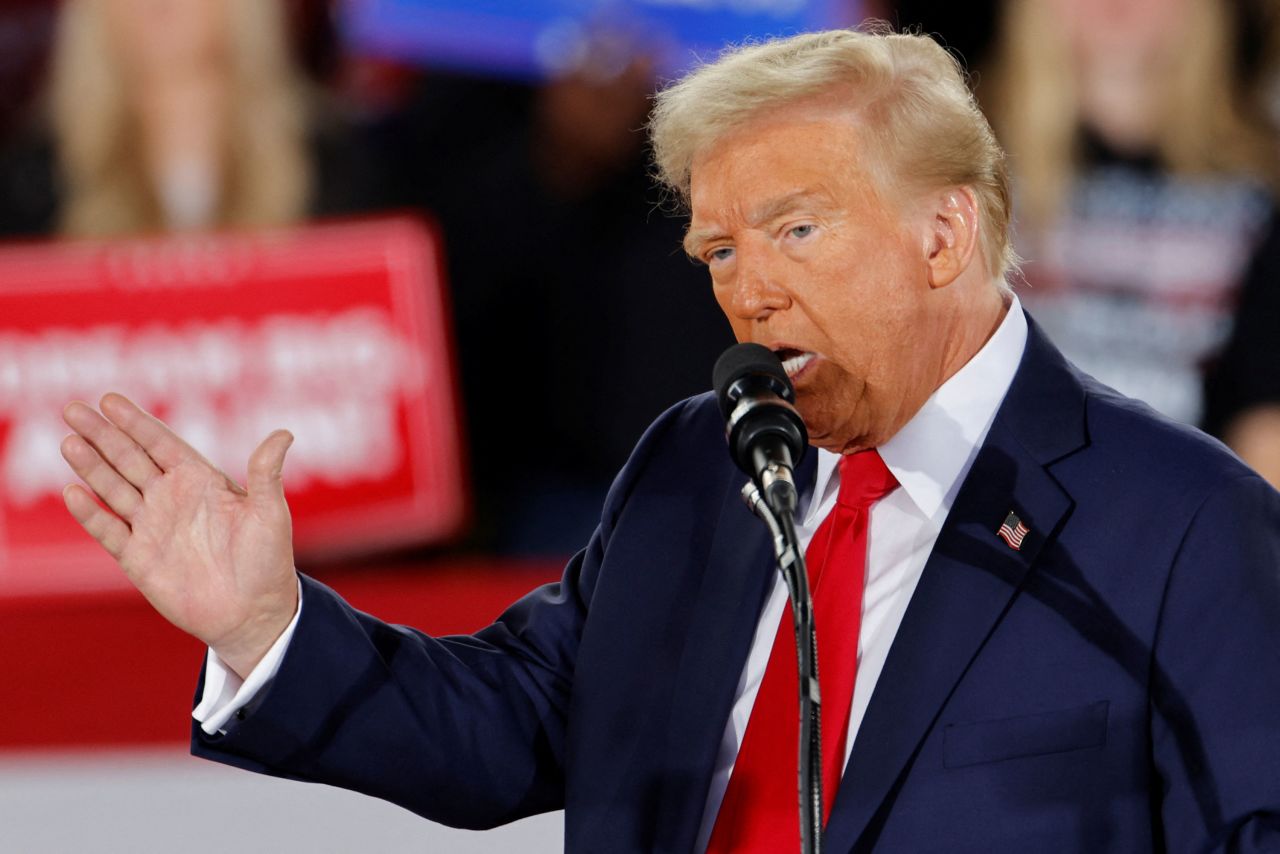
(864, 479)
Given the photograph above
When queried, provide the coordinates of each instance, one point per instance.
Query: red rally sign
(336, 332)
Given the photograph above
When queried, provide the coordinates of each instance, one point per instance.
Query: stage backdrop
(336, 332)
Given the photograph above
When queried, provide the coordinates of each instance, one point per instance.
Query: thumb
(266, 465)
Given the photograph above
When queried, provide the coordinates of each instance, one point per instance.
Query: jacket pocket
(1028, 735)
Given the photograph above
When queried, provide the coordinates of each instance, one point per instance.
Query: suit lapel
(735, 581)
(969, 581)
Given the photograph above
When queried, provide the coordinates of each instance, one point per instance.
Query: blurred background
(422, 235)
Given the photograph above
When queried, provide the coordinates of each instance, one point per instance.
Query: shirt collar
(931, 453)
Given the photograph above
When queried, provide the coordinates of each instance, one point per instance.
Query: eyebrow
(770, 210)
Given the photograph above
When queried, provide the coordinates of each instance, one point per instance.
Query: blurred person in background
(1246, 384)
(174, 115)
(1146, 181)
(573, 307)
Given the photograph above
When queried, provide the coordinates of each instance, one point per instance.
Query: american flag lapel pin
(1013, 531)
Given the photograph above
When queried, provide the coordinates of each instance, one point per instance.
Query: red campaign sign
(336, 332)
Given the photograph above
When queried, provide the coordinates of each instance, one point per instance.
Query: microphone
(767, 437)
(766, 434)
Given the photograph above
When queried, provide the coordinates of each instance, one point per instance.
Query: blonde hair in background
(1202, 126)
(924, 128)
(265, 179)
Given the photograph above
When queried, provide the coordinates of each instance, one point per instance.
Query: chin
(837, 438)
(825, 439)
(825, 430)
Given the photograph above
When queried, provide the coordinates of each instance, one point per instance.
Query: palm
(214, 559)
(213, 538)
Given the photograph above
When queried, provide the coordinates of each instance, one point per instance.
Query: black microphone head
(748, 360)
(757, 401)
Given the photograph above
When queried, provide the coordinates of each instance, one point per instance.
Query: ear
(951, 236)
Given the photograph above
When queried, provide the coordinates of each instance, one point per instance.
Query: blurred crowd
(1141, 134)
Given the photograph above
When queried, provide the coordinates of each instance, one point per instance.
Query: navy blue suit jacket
(1112, 686)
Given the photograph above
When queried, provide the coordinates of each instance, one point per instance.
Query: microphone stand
(781, 523)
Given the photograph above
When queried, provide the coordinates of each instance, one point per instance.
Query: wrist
(242, 651)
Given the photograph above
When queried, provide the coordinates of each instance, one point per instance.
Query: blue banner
(540, 38)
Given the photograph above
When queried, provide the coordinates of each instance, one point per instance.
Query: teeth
(795, 364)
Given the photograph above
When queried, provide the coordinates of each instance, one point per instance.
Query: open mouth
(794, 361)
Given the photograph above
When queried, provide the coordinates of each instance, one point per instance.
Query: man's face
(808, 259)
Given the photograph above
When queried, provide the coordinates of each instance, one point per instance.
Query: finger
(161, 444)
(101, 525)
(266, 465)
(118, 494)
(118, 450)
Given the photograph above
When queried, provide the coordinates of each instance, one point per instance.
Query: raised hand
(214, 559)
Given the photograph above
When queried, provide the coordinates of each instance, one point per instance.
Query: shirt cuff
(225, 693)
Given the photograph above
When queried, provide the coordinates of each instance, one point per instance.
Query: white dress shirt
(929, 456)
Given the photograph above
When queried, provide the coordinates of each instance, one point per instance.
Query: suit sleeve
(468, 731)
(1215, 698)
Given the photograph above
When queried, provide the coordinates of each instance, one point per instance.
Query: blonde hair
(1202, 128)
(922, 123)
(265, 180)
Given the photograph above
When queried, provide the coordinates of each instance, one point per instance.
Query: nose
(756, 290)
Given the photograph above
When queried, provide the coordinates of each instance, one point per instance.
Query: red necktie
(761, 807)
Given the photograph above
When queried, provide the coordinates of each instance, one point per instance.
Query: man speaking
(1048, 619)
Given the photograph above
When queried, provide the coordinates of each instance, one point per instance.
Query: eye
(802, 231)
(721, 253)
